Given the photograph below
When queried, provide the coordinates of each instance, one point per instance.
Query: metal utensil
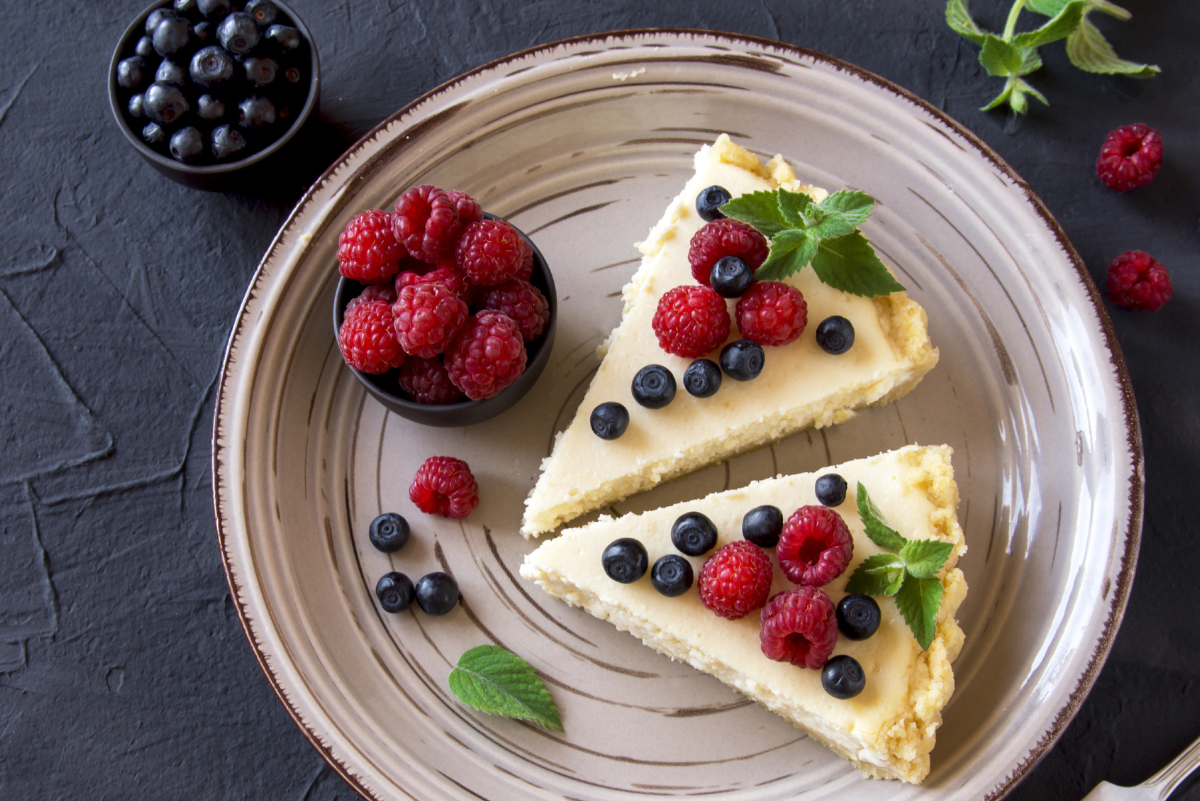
(1158, 786)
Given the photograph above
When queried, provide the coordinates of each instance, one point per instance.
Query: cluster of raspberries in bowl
(445, 313)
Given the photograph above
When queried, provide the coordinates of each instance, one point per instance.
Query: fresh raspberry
(815, 546)
(1130, 157)
(445, 274)
(487, 355)
(367, 338)
(523, 302)
(771, 313)
(1138, 281)
(722, 238)
(426, 221)
(736, 580)
(367, 250)
(799, 626)
(691, 321)
(525, 271)
(373, 292)
(469, 210)
(427, 381)
(490, 252)
(427, 318)
(444, 486)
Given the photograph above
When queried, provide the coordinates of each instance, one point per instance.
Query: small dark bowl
(212, 177)
(385, 388)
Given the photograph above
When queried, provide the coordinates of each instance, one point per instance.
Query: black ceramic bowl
(386, 389)
(215, 177)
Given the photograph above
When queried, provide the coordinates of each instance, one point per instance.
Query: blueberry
(671, 575)
(709, 202)
(135, 107)
(203, 31)
(157, 16)
(263, 12)
(609, 420)
(214, 9)
(702, 378)
(742, 360)
(388, 532)
(260, 71)
(653, 386)
(731, 277)
(625, 560)
(256, 112)
(211, 66)
(293, 74)
(185, 6)
(395, 592)
(835, 335)
(285, 37)
(237, 33)
(842, 677)
(226, 141)
(154, 134)
(858, 616)
(437, 593)
(209, 108)
(145, 47)
(693, 534)
(131, 72)
(170, 72)
(171, 35)
(762, 526)
(831, 489)
(165, 103)
(187, 144)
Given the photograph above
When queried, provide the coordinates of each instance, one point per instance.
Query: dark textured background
(123, 670)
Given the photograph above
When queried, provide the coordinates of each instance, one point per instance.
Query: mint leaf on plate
(878, 574)
(918, 600)
(499, 682)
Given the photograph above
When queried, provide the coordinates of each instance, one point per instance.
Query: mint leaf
(878, 574)
(1000, 99)
(918, 600)
(1090, 51)
(959, 20)
(843, 212)
(790, 251)
(849, 263)
(999, 57)
(498, 682)
(1047, 7)
(924, 558)
(794, 208)
(1061, 26)
(878, 531)
(1031, 61)
(760, 209)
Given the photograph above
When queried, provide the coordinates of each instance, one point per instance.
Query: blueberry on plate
(842, 677)
(625, 560)
(227, 141)
(264, 12)
(731, 277)
(395, 592)
(831, 490)
(260, 71)
(209, 108)
(237, 33)
(131, 72)
(762, 526)
(710, 201)
(835, 335)
(672, 575)
(170, 72)
(742, 360)
(437, 593)
(186, 145)
(171, 35)
(653, 386)
(693, 534)
(153, 134)
(858, 616)
(211, 66)
(284, 37)
(702, 378)
(609, 420)
(214, 9)
(256, 112)
(388, 532)
(165, 103)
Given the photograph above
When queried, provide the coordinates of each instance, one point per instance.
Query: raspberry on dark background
(1130, 157)
(1138, 281)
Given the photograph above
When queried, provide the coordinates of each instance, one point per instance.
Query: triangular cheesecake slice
(888, 729)
(800, 386)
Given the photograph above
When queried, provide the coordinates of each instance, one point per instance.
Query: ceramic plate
(581, 144)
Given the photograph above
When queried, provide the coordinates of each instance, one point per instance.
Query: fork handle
(1166, 780)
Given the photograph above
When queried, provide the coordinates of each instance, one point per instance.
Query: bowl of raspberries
(205, 90)
(446, 314)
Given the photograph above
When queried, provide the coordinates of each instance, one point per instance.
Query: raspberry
(1130, 157)
(427, 318)
(426, 221)
(427, 381)
(772, 313)
(367, 250)
(523, 302)
(373, 292)
(736, 580)
(444, 486)
(445, 274)
(525, 271)
(490, 252)
(487, 355)
(722, 238)
(469, 210)
(815, 546)
(367, 338)
(799, 626)
(1138, 281)
(691, 321)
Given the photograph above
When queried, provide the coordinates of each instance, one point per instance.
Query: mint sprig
(498, 682)
(909, 575)
(824, 234)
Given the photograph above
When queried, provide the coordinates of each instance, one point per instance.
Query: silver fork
(1158, 786)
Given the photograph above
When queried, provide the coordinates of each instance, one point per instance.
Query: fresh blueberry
(154, 134)
(131, 72)
(702, 378)
(710, 201)
(145, 47)
(171, 36)
(653, 386)
(237, 33)
(256, 112)
(388, 532)
(211, 66)
(203, 31)
(209, 108)
(185, 6)
(260, 71)
(842, 677)
(762, 526)
(672, 575)
(731, 277)
(135, 107)
(264, 12)
(693, 534)
(831, 489)
(187, 144)
(285, 37)
(395, 592)
(437, 593)
(609, 420)
(293, 74)
(742, 360)
(170, 72)
(226, 141)
(858, 616)
(157, 16)
(164, 103)
(214, 9)
(835, 335)
(625, 560)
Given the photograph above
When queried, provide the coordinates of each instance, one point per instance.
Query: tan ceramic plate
(581, 144)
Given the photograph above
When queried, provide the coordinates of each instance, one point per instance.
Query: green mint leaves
(498, 682)
(824, 234)
(909, 575)
(1011, 55)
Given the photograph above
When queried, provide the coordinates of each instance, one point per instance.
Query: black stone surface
(123, 670)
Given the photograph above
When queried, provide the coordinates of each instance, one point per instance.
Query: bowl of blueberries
(207, 90)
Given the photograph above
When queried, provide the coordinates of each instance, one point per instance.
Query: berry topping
(742, 360)
(237, 33)
(843, 678)
(170, 72)
(736, 580)
(426, 381)
(388, 532)
(487, 355)
(367, 338)
(263, 12)
(226, 141)
(762, 526)
(693, 534)
(625, 560)
(367, 250)
(702, 378)
(722, 238)
(799, 626)
(427, 222)
(171, 35)
(427, 318)
(609, 420)
(815, 546)
(835, 335)
(415, 273)
(437, 593)
(672, 575)
(165, 103)
(710, 201)
(1138, 281)
(653, 386)
(691, 321)
(444, 486)
(858, 616)
(469, 210)
(395, 592)
(523, 302)
(1130, 157)
(256, 112)
(772, 313)
(490, 252)
(831, 489)
(731, 277)
(186, 144)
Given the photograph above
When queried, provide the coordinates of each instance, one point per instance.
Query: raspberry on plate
(444, 486)
(523, 302)
(445, 274)
(815, 546)
(736, 580)
(367, 338)
(1130, 157)
(1138, 281)
(799, 626)
(722, 238)
(426, 221)
(771, 313)
(427, 381)
(427, 317)
(691, 321)
(487, 355)
(490, 252)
